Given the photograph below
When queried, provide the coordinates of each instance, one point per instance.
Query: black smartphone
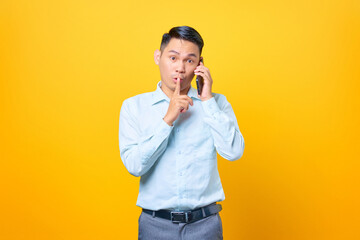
(200, 80)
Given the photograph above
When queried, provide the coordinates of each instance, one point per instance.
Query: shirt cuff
(210, 107)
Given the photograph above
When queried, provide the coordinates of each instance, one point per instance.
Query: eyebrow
(189, 55)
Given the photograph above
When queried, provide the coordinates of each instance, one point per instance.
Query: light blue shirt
(178, 164)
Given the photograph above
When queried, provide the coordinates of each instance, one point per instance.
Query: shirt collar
(159, 95)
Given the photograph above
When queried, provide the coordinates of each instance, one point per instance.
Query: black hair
(184, 33)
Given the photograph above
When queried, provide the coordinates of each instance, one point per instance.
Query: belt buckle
(179, 217)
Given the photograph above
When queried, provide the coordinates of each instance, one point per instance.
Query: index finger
(177, 88)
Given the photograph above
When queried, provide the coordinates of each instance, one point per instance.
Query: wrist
(206, 98)
(168, 122)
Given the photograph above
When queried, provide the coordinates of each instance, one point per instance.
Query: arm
(228, 140)
(138, 151)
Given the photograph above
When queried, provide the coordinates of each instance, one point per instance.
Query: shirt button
(178, 130)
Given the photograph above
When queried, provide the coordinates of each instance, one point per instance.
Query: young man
(170, 138)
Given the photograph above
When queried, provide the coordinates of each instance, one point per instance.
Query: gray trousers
(154, 228)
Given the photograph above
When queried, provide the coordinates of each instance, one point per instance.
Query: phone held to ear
(200, 80)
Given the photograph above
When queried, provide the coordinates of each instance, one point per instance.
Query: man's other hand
(205, 73)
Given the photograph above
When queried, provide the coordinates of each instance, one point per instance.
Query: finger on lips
(177, 87)
(183, 100)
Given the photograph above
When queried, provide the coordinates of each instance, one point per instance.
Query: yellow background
(290, 69)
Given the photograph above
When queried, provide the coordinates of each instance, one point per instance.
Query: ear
(157, 54)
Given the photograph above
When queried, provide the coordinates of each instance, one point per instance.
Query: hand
(205, 73)
(178, 104)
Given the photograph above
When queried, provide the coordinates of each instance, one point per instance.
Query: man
(170, 138)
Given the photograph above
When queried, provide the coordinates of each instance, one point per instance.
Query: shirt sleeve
(138, 151)
(228, 140)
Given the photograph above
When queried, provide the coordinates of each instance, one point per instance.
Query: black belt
(186, 216)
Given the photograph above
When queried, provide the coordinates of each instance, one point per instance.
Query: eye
(172, 58)
(190, 61)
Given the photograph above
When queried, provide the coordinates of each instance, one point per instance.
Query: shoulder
(140, 98)
(220, 99)
(134, 105)
(219, 96)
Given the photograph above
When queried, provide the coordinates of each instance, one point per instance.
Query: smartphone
(200, 80)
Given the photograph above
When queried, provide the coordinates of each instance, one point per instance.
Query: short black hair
(185, 33)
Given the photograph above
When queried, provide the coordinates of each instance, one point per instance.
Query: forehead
(182, 46)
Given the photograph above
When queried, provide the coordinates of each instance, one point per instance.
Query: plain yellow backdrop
(290, 69)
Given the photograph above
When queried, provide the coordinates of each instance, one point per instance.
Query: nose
(180, 67)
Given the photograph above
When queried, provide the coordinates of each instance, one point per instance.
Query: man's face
(177, 60)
